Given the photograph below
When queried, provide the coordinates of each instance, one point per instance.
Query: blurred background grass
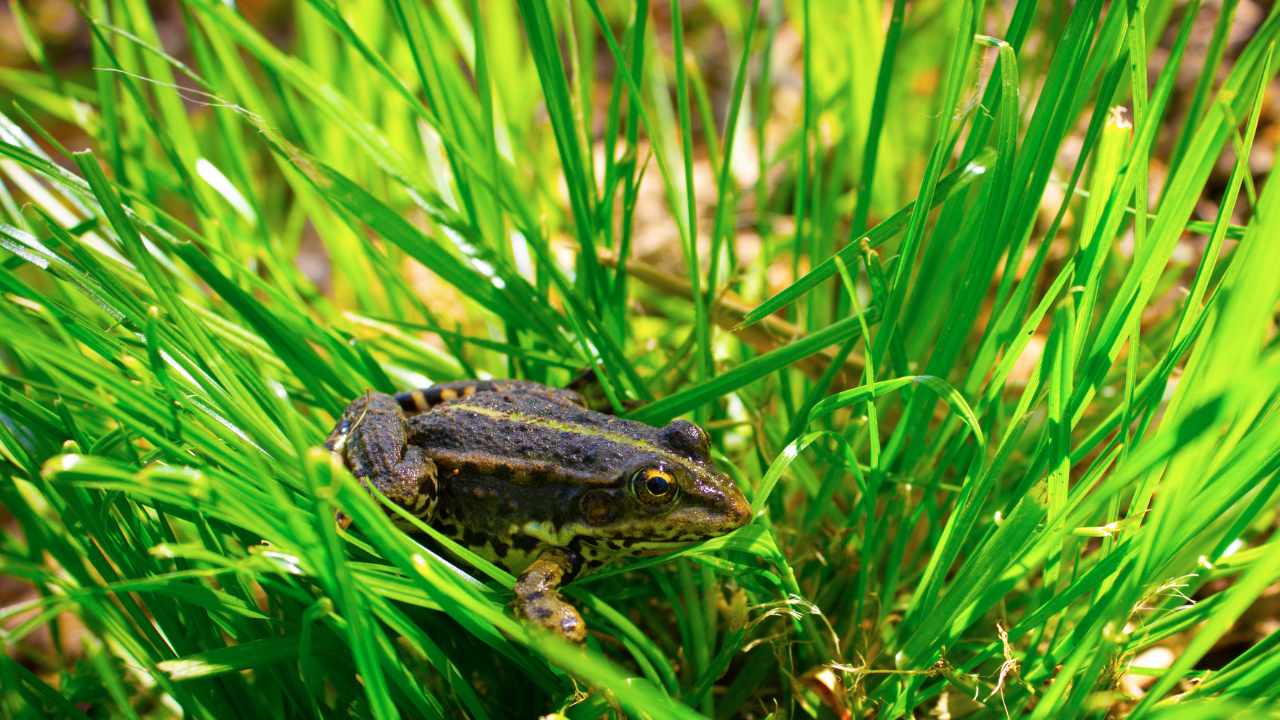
(335, 198)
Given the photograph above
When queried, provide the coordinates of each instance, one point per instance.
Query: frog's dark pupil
(658, 485)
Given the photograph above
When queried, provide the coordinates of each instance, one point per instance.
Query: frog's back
(532, 439)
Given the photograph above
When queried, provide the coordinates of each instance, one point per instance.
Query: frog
(530, 478)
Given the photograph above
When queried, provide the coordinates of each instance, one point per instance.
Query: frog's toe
(412, 483)
(572, 628)
(557, 616)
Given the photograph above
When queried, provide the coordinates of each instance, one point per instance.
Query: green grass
(976, 488)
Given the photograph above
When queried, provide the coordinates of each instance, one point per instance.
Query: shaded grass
(1106, 447)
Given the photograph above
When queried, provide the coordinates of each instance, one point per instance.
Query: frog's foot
(371, 436)
(538, 601)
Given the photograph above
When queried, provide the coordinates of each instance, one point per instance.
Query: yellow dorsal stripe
(562, 426)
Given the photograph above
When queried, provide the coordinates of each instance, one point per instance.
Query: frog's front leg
(538, 598)
(372, 437)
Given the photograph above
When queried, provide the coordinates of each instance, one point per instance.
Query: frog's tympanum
(529, 478)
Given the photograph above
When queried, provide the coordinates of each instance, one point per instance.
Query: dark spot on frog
(500, 548)
(525, 543)
(474, 539)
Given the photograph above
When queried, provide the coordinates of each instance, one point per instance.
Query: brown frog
(528, 477)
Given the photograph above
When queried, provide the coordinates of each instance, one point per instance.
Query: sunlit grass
(998, 424)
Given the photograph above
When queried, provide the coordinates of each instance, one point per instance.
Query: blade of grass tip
(1094, 250)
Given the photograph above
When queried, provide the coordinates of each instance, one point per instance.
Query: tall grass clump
(978, 302)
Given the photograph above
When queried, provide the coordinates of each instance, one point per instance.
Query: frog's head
(666, 498)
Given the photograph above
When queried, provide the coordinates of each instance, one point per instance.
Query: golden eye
(654, 485)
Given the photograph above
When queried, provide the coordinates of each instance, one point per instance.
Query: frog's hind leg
(421, 400)
(587, 385)
(538, 598)
(372, 438)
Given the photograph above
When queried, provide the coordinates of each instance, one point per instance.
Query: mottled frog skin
(528, 477)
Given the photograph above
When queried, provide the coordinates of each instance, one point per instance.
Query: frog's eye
(654, 485)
